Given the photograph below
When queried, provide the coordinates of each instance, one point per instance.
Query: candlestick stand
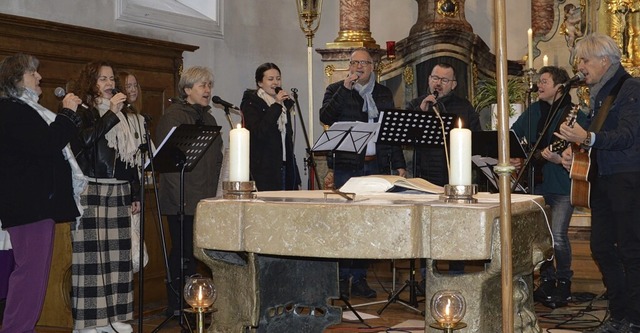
(457, 326)
(238, 190)
(459, 193)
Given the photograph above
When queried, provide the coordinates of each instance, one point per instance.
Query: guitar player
(538, 123)
(613, 136)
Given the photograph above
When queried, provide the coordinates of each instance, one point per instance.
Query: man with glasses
(359, 98)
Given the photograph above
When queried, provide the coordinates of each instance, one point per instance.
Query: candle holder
(238, 190)
(200, 294)
(459, 193)
(448, 308)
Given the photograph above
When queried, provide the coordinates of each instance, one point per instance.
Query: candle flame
(459, 123)
(239, 125)
(447, 309)
(200, 296)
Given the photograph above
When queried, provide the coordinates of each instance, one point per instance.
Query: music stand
(485, 145)
(416, 129)
(180, 151)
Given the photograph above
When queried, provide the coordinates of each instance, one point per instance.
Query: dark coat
(342, 104)
(431, 161)
(35, 178)
(202, 181)
(266, 144)
(95, 157)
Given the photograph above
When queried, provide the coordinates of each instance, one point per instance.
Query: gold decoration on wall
(407, 75)
(624, 28)
(448, 8)
(329, 70)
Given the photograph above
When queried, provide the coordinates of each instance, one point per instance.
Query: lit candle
(460, 173)
(391, 49)
(545, 60)
(239, 154)
(200, 297)
(530, 45)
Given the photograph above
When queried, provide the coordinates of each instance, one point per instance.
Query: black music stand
(180, 151)
(485, 145)
(416, 129)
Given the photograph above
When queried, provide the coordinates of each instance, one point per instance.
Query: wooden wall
(62, 51)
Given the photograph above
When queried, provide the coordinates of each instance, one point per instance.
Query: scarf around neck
(282, 120)
(119, 137)
(366, 92)
(78, 179)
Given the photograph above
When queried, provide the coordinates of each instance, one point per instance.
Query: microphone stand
(228, 114)
(311, 164)
(552, 114)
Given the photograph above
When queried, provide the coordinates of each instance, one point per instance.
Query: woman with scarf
(102, 276)
(40, 180)
(267, 116)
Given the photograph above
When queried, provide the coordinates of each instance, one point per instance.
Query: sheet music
(160, 146)
(486, 165)
(348, 136)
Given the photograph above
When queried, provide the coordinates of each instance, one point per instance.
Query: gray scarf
(366, 92)
(595, 89)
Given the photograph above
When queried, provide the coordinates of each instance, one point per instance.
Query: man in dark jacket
(430, 161)
(359, 98)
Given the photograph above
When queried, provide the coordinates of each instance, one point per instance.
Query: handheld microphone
(125, 104)
(218, 100)
(353, 83)
(59, 92)
(575, 79)
(430, 104)
(288, 103)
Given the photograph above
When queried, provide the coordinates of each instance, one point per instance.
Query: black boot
(561, 295)
(544, 291)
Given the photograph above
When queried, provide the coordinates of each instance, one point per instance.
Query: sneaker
(361, 288)
(561, 295)
(544, 291)
(611, 326)
(344, 288)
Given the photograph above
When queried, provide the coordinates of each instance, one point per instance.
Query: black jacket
(266, 144)
(431, 162)
(342, 104)
(96, 159)
(35, 178)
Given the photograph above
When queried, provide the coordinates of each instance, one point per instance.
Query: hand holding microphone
(351, 80)
(70, 101)
(118, 100)
(282, 97)
(428, 101)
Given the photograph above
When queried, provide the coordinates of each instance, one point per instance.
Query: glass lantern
(448, 308)
(200, 294)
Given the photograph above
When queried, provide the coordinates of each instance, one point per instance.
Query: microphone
(353, 83)
(125, 104)
(429, 104)
(218, 100)
(288, 103)
(59, 92)
(575, 79)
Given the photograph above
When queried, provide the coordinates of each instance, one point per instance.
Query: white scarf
(119, 137)
(366, 92)
(282, 120)
(79, 180)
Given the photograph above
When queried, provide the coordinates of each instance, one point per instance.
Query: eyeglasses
(360, 62)
(131, 86)
(436, 78)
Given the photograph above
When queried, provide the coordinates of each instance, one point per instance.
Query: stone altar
(240, 239)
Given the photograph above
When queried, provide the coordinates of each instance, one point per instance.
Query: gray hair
(191, 76)
(12, 70)
(598, 45)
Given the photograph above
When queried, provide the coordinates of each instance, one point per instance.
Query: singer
(431, 162)
(359, 98)
(554, 289)
(105, 151)
(267, 116)
(615, 189)
(37, 184)
(192, 107)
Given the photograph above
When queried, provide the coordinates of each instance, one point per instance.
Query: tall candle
(545, 60)
(239, 154)
(530, 45)
(460, 173)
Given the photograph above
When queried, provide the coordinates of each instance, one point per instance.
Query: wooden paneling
(63, 50)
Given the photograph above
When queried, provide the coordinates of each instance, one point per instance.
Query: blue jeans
(356, 268)
(561, 211)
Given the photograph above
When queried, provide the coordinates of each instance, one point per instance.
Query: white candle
(545, 60)
(530, 45)
(460, 173)
(239, 154)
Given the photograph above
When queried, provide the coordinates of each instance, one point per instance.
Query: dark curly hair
(86, 86)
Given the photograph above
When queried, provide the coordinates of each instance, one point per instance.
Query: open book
(387, 183)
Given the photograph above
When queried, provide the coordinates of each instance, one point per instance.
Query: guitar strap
(606, 105)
